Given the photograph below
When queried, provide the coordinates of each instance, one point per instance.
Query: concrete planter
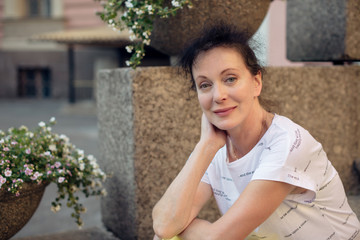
(17, 211)
(171, 34)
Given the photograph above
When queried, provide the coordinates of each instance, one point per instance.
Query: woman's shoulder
(283, 129)
(286, 126)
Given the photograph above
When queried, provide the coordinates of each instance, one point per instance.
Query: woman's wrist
(207, 148)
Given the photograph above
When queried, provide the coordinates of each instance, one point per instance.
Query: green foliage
(137, 16)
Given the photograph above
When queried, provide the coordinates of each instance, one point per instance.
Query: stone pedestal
(323, 30)
(149, 122)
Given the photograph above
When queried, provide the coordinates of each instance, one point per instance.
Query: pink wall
(1, 19)
(81, 14)
(277, 35)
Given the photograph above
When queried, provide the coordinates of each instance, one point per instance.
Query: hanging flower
(138, 18)
(43, 156)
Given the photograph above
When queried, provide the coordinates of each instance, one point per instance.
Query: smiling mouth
(224, 111)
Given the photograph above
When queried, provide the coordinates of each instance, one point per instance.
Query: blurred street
(79, 123)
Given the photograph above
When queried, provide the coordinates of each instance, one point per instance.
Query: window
(34, 82)
(39, 8)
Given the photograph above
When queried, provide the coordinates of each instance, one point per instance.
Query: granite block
(170, 35)
(323, 30)
(149, 122)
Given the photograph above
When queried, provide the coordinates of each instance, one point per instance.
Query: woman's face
(226, 89)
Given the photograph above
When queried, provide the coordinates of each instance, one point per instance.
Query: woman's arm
(186, 194)
(258, 201)
(181, 200)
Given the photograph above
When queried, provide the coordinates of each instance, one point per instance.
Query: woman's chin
(224, 126)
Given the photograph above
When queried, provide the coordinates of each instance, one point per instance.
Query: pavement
(79, 122)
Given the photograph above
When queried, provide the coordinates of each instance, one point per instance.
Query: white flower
(175, 3)
(127, 62)
(104, 192)
(35, 176)
(132, 37)
(64, 137)
(47, 153)
(139, 11)
(48, 129)
(129, 49)
(82, 166)
(52, 120)
(1, 141)
(52, 147)
(129, 4)
(61, 179)
(8, 173)
(149, 8)
(146, 42)
(22, 127)
(145, 34)
(42, 124)
(2, 180)
(55, 209)
(29, 134)
(73, 188)
(91, 158)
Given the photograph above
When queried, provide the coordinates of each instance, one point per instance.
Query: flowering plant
(43, 157)
(138, 17)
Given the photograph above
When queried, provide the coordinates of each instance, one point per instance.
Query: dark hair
(220, 35)
(223, 35)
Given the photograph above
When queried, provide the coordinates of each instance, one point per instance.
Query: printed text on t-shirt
(297, 141)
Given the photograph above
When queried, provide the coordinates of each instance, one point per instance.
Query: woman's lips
(224, 111)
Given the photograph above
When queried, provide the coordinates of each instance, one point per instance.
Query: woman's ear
(257, 84)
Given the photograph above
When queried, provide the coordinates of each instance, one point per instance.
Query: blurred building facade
(41, 69)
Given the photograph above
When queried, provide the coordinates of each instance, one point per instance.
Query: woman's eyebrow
(201, 77)
(227, 69)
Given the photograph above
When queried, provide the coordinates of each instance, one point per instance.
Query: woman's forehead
(217, 57)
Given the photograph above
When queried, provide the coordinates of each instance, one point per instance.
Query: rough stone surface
(171, 34)
(323, 30)
(117, 146)
(149, 122)
(88, 234)
(353, 29)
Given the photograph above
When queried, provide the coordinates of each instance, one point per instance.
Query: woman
(271, 179)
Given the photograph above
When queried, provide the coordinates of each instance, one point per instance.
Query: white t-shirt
(288, 153)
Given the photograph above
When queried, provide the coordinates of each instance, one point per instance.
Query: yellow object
(174, 238)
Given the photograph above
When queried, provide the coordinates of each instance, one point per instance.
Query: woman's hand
(211, 135)
(156, 237)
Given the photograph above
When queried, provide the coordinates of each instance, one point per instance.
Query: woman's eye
(204, 85)
(230, 79)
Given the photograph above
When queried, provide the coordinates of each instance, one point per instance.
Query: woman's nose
(219, 93)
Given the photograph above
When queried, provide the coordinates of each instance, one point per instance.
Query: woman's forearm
(171, 214)
(198, 229)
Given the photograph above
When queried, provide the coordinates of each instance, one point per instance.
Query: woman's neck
(243, 138)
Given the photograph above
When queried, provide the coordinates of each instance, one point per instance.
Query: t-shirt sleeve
(205, 178)
(280, 162)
